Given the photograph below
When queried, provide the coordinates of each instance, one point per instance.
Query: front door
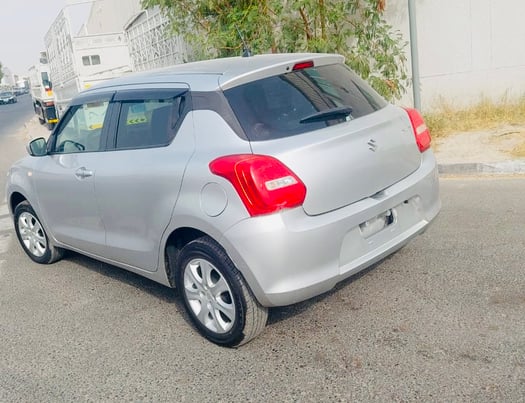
(65, 178)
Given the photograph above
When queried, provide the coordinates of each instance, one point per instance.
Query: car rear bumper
(290, 257)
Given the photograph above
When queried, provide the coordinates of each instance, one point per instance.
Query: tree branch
(307, 29)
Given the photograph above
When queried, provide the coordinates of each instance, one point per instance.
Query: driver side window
(82, 130)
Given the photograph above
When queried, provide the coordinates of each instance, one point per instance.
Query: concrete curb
(505, 167)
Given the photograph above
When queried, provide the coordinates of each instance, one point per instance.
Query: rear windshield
(301, 101)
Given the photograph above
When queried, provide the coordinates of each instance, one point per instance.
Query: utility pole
(416, 88)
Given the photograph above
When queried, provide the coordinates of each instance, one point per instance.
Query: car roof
(223, 73)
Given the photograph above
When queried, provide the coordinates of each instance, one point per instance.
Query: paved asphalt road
(441, 320)
(12, 116)
(12, 146)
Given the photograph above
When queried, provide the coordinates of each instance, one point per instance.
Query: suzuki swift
(247, 183)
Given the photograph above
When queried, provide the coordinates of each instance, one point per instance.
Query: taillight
(263, 183)
(303, 65)
(421, 131)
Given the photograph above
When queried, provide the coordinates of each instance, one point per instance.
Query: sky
(23, 25)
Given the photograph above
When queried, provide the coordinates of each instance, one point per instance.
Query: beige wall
(467, 48)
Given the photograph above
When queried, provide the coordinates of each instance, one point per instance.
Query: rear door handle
(83, 173)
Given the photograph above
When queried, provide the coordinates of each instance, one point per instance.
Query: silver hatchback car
(246, 183)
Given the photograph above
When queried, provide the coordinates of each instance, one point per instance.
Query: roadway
(13, 117)
(441, 320)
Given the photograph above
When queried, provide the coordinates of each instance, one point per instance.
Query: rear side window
(301, 101)
(149, 122)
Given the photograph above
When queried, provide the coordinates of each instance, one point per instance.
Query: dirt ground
(33, 129)
(495, 145)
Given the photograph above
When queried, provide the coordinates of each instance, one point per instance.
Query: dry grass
(519, 151)
(486, 114)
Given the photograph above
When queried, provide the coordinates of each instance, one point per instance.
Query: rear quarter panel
(208, 202)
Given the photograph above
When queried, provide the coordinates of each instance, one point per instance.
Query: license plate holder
(378, 223)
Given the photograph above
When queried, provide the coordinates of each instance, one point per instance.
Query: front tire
(216, 296)
(32, 236)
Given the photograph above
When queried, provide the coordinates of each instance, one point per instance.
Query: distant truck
(80, 61)
(22, 87)
(42, 92)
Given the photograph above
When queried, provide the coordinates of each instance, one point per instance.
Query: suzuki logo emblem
(372, 145)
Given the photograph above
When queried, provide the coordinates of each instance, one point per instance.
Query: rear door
(334, 131)
(138, 181)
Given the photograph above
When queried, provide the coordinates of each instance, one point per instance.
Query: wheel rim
(209, 296)
(32, 234)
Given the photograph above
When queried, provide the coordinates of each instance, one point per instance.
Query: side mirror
(37, 147)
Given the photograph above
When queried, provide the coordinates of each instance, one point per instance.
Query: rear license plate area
(378, 223)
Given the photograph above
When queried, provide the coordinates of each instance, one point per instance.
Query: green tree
(1, 71)
(353, 28)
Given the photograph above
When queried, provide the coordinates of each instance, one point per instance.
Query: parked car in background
(21, 91)
(7, 97)
(247, 183)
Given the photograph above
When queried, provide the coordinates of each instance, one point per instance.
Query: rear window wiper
(338, 112)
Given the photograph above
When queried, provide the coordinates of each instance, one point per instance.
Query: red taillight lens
(263, 183)
(421, 131)
(303, 65)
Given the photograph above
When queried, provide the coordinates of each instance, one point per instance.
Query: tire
(216, 296)
(32, 236)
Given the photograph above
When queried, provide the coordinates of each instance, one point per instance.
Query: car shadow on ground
(157, 290)
(278, 314)
(114, 272)
(172, 296)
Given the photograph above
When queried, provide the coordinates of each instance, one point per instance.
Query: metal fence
(151, 44)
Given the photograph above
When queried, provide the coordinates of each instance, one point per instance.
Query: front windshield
(6, 94)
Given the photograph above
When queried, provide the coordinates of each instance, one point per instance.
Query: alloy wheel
(32, 234)
(209, 296)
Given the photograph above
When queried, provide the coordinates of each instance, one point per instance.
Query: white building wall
(110, 15)
(468, 49)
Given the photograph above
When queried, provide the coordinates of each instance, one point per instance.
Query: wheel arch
(15, 199)
(177, 239)
(181, 236)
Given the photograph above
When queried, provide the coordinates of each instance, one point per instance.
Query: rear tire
(216, 296)
(32, 236)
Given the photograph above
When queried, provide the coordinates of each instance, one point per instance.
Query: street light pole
(414, 53)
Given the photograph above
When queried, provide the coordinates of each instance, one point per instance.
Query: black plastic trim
(217, 102)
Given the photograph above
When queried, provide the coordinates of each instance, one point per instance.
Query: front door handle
(83, 173)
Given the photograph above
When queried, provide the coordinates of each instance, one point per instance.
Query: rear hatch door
(331, 128)
(351, 161)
